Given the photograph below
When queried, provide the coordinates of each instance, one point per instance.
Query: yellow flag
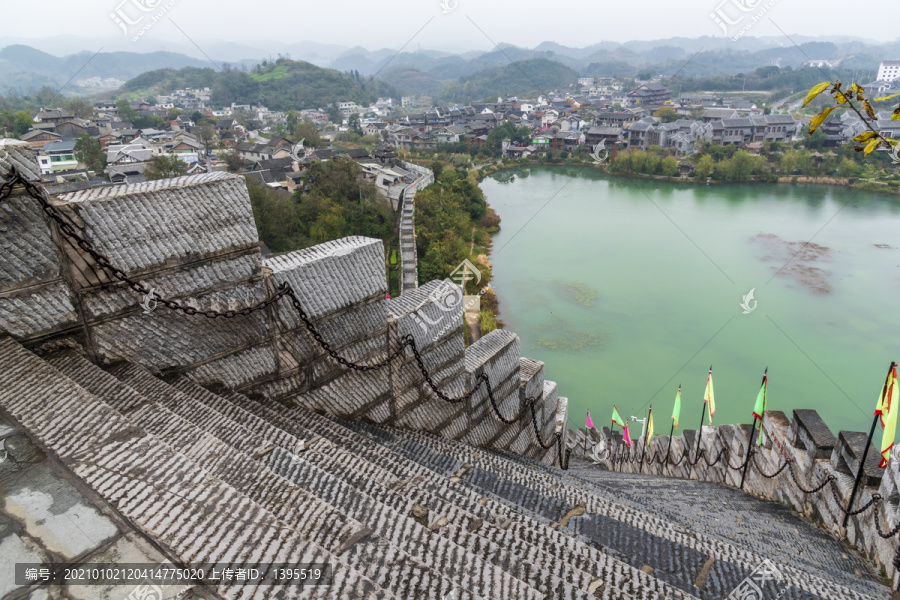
(710, 397)
(888, 406)
(649, 426)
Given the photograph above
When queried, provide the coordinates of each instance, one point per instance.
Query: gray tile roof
(148, 225)
(332, 275)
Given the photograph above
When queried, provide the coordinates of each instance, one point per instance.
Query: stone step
(461, 565)
(296, 510)
(519, 533)
(507, 480)
(398, 527)
(183, 509)
(461, 527)
(755, 524)
(300, 511)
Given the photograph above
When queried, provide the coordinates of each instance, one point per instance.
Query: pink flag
(588, 423)
(627, 437)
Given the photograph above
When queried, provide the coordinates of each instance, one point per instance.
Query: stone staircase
(213, 475)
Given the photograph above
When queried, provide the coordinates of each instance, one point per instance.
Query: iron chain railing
(633, 456)
(284, 291)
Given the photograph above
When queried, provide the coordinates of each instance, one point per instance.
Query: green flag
(616, 419)
(760, 406)
(676, 410)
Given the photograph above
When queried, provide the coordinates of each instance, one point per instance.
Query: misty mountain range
(23, 67)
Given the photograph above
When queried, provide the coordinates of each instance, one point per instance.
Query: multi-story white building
(889, 70)
(57, 156)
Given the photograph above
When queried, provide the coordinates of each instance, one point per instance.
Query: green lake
(626, 288)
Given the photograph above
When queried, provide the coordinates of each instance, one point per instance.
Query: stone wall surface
(193, 240)
(802, 451)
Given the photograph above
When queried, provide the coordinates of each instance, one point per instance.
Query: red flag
(627, 437)
(588, 423)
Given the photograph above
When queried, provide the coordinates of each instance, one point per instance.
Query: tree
(705, 166)
(164, 166)
(292, 119)
(353, 124)
(22, 122)
(790, 161)
(666, 114)
(124, 110)
(234, 162)
(307, 131)
(207, 134)
(848, 168)
(335, 115)
(173, 113)
(669, 166)
(89, 153)
(814, 141)
(739, 167)
(80, 107)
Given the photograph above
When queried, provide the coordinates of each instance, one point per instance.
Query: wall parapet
(168, 275)
(409, 259)
(800, 464)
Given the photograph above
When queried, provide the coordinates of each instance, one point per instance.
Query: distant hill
(280, 85)
(21, 65)
(413, 82)
(520, 78)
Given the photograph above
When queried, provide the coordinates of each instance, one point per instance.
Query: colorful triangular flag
(616, 419)
(588, 423)
(709, 397)
(649, 427)
(676, 410)
(625, 435)
(760, 407)
(888, 406)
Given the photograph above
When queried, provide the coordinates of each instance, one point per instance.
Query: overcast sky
(467, 24)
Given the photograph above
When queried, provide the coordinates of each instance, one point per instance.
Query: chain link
(284, 290)
(878, 500)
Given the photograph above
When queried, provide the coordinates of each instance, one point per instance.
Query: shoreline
(846, 182)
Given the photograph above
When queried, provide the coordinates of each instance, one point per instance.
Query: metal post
(614, 447)
(699, 437)
(585, 437)
(643, 453)
(669, 448)
(646, 443)
(862, 463)
(749, 450)
(859, 473)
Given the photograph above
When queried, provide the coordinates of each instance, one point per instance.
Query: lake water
(627, 288)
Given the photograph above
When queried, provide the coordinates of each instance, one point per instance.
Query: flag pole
(671, 432)
(700, 430)
(862, 463)
(613, 447)
(586, 433)
(749, 450)
(752, 435)
(646, 440)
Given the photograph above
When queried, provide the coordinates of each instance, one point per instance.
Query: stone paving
(117, 464)
(767, 528)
